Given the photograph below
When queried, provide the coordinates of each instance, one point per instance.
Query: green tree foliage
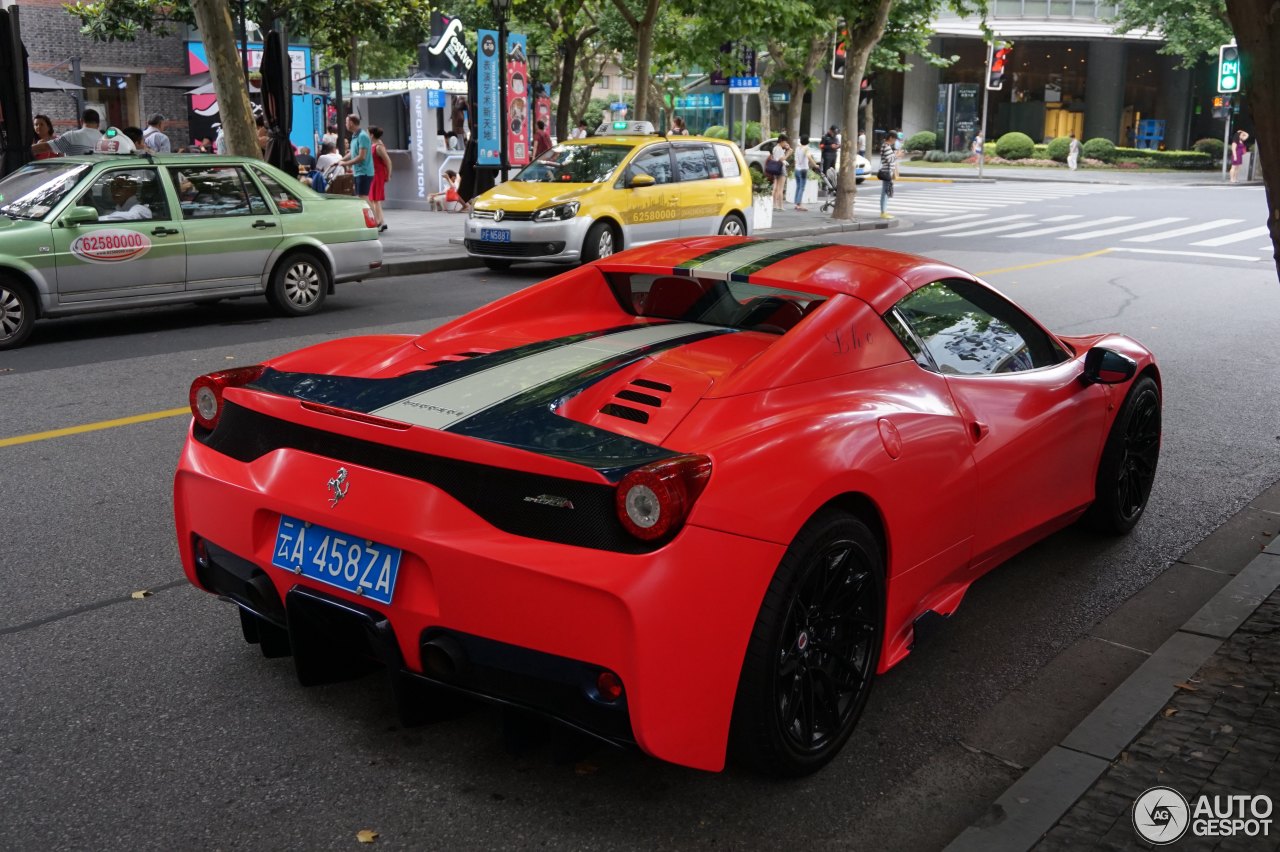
(1193, 29)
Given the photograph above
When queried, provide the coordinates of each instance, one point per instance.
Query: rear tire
(497, 265)
(602, 241)
(17, 314)
(1127, 468)
(813, 651)
(733, 226)
(299, 285)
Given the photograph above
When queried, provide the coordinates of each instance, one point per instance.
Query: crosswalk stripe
(1182, 232)
(991, 230)
(1057, 229)
(1234, 238)
(958, 227)
(1066, 218)
(1190, 253)
(951, 217)
(1124, 229)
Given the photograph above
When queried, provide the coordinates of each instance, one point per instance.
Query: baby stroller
(829, 189)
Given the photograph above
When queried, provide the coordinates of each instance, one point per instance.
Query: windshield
(36, 188)
(575, 164)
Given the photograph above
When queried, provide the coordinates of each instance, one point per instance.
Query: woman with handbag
(888, 171)
(776, 169)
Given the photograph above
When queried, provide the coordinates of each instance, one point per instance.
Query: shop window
(114, 96)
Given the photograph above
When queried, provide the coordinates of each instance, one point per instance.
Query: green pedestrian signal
(1228, 69)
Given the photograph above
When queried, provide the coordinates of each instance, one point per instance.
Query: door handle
(163, 231)
(720, 194)
(262, 223)
(978, 429)
(674, 199)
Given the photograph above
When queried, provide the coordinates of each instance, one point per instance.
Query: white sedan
(757, 154)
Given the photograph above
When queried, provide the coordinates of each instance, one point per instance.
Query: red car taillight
(654, 500)
(369, 221)
(206, 392)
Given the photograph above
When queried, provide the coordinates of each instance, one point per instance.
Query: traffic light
(838, 51)
(995, 68)
(1228, 69)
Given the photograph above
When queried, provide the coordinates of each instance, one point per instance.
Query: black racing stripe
(689, 266)
(528, 420)
(742, 273)
(365, 395)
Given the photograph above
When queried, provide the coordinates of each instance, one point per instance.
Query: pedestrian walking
(888, 171)
(1238, 147)
(776, 169)
(381, 173)
(541, 140)
(361, 157)
(155, 136)
(579, 132)
(44, 133)
(829, 145)
(862, 144)
(83, 140)
(678, 127)
(1073, 153)
(804, 160)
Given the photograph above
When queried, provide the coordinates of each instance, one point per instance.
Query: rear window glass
(727, 304)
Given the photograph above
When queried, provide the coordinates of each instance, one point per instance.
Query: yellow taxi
(588, 198)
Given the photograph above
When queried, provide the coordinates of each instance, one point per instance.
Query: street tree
(865, 23)
(641, 17)
(1192, 29)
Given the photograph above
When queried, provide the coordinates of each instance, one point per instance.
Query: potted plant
(761, 201)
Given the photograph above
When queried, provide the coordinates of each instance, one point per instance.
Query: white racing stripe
(450, 403)
(722, 266)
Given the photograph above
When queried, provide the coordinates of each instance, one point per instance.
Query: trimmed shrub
(1015, 146)
(760, 184)
(753, 133)
(1212, 147)
(935, 156)
(717, 131)
(925, 140)
(1098, 148)
(1165, 159)
(1039, 152)
(1059, 148)
(957, 156)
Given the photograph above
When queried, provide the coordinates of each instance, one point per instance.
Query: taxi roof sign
(625, 128)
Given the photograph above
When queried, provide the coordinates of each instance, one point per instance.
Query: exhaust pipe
(443, 657)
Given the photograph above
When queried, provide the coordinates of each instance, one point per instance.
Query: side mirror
(81, 215)
(640, 180)
(1105, 367)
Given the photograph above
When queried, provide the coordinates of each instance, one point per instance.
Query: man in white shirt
(124, 192)
(155, 137)
(83, 140)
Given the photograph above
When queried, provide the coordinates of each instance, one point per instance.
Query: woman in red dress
(381, 173)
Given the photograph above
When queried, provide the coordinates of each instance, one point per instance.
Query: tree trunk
(766, 117)
(565, 102)
(866, 26)
(213, 17)
(794, 109)
(353, 60)
(869, 121)
(643, 28)
(1257, 28)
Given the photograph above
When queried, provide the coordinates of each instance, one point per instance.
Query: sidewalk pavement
(418, 241)
(1200, 715)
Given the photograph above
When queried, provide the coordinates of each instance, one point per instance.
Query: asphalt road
(148, 724)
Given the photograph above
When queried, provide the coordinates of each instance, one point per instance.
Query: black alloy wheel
(1127, 470)
(814, 650)
(17, 314)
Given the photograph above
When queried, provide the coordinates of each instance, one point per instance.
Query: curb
(1033, 804)
(421, 264)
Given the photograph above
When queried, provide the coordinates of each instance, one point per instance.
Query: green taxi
(100, 233)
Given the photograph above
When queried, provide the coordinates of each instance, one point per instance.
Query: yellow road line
(1042, 263)
(93, 427)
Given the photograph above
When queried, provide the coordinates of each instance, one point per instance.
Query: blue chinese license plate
(358, 565)
(495, 235)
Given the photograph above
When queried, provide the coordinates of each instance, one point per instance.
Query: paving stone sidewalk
(1219, 736)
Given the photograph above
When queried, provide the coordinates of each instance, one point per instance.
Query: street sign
(1228, 69)
(744, 85)
(436, 99)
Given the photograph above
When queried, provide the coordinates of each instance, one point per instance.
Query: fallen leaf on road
(1188, 687)
(366, 835)
(1226, 729)
(586, 768)
(142, 593)
(1170, 711)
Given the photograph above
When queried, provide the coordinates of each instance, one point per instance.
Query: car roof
(635, 140)
(877, 276)
(161, 159)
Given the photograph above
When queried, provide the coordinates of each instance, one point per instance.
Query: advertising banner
(517, 128)
(488, 115)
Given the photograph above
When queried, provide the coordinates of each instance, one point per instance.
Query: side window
(969, 330)
(713, 164)
(125, 195)
(654, 161)
(728, 161)
(691, 161)
(286, 201)
(217, 191)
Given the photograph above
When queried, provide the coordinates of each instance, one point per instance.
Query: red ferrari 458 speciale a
(693, 497)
